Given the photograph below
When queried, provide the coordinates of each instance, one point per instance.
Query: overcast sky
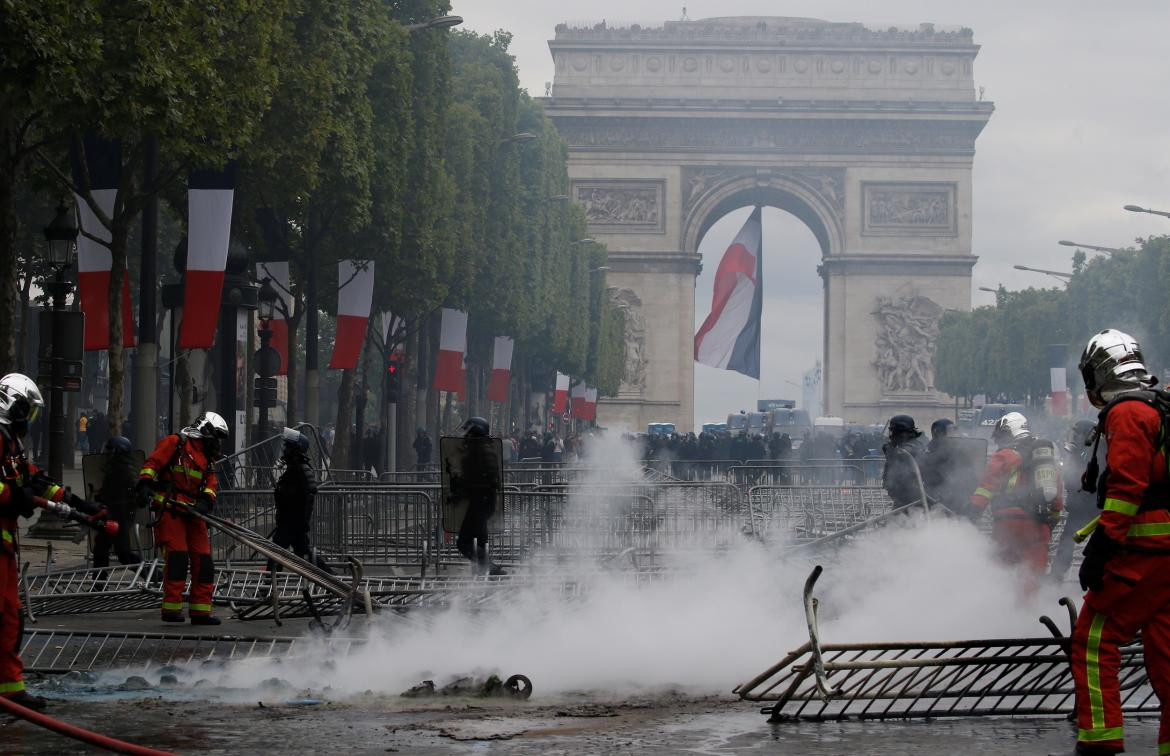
(1080, 129)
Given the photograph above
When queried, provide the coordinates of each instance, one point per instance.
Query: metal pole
(392, 436)
(312, 376)
(144, 397)
(56, 391)
(262, 423)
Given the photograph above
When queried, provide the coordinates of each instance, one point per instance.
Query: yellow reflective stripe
(1148, 529)
(51, 491)
(12, 687)
(2, 487)
(196, 474)
(173, 606)
(1098, 734)
(148, 472)
(1123, 507)
(201, 608)
(981, 491)
(1164, 749)
(7, 536)
(1011, 481)
(1093, 667)
(209, 491)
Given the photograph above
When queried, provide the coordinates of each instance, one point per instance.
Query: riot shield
(472, 475)
(93, 469)
(966, 459)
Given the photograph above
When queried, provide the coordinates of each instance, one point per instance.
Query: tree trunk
(10, 318)
(339, 459)
(291, 379)
(116, 411)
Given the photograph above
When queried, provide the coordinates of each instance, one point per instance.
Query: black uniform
(948, 475)
(478, 482)
(117, 495)
(294, 494)
(898, 477)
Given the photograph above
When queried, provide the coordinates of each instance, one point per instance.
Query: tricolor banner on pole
(392, 326)
(590, 404)
(209, 230)
(277, 273)
(730, 336)
(561, 394)
(1058, 375)
(355, 297)
(103, 160)
(577, 401)
(449, 372)
(501, 370)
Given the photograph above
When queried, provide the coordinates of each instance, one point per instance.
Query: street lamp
(559, 198)
(267, 358)
(1064, 277)
(1140, 209)
(1095, 248)
(60, 248)
(523, 136)
(601, 269)
(989, 289)
(442, 22)
(586, 240)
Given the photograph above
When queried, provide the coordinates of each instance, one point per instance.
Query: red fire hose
(77, 733)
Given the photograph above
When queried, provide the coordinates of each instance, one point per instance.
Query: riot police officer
(478, 483)
(119, 476)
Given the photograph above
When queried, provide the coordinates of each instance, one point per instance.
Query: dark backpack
(1093, 479)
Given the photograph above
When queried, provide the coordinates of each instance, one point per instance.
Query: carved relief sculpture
(621, 205)
(634, 369)
(909, 209)
(907, 331)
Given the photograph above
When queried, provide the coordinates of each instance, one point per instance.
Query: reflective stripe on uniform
(204, 608)
(1122, 507)
(7, 536)
(1096, 701)
(1104, 733)
(981, 491)
(12, 687)
(1148, 529)
(148, 472)
(209, 491)
(52, 491)
(172, 606)
(1164, 749)
(196, 474)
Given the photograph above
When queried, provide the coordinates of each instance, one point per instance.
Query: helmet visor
(23, 411)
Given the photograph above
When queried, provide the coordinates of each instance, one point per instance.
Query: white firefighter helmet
(1112, 363)
(209, 425)
(1009, 428)
(20, 402)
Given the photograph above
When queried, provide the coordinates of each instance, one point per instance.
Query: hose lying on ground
(77, 733)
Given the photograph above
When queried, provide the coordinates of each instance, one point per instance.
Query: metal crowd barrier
(804, 513)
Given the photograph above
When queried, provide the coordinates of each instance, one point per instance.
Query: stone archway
(866, 136)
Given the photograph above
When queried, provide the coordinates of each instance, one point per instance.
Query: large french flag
(577, 406)
(209, 229)
(561, 394)
(103, 160)
(355, 297)
(501, 370)
(277, 272)
(730, 336)
(449, 369)
(590, 404)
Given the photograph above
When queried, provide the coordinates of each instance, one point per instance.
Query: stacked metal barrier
(804, 513)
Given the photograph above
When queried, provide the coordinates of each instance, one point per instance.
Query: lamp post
(61, 245)
(1093, 247)
(1140, 209)
(267, 359)
(1058, 274)
(442, 22)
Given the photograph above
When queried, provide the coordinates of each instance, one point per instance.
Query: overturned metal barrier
(799, 514)
(60, 651)
(900, 680)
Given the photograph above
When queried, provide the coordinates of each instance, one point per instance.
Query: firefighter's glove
(204, 504)
(144, 492)
(81, 505)
(21, 500)
(1098, 551)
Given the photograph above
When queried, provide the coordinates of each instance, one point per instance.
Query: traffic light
(392, 384)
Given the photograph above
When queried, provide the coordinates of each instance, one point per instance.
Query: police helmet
(475, 427)
(294, 439)
(902, 425)
(119, 444)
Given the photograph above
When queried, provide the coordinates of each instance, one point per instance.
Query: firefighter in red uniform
(1022, 486)
(178, 475)
(1126, 569)
(20, 480)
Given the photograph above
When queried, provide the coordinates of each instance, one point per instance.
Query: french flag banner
(590, 404)
(730, 336)
(501, 370)
(209, 230)
(561, 394)
(393, 331)
(277, 273)
(449, 369)
(103, 161)
(1058, 376)
(355, 297)
(577, 403)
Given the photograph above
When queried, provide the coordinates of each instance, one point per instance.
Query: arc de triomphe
(868, 136)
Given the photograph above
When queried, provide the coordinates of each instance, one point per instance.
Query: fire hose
(99, 520)
(77, 733)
